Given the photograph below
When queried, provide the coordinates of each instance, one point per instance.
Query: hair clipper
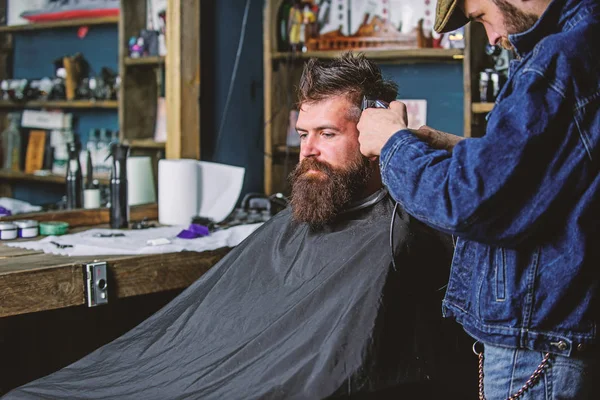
(368, 102)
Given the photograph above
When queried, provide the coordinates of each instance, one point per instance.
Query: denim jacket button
(562, 345)
(580, 347)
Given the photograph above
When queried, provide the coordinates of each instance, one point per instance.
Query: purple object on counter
(5, 212)
(193, 232)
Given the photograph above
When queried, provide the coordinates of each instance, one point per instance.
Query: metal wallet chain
(533, 379)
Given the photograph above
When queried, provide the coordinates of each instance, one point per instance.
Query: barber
(524, 200)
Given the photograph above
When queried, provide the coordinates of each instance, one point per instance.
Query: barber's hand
(437, 139)
(377, 125)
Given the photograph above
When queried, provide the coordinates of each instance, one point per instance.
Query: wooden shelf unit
(141, 82)
(405, 55)
(50, 178)
(111, 104)
(60, 24)
(482, 108)
(153, 60)
(147, 144)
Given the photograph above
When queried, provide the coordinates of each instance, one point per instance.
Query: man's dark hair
(350, 75)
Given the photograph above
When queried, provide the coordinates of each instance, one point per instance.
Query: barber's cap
(448, 16)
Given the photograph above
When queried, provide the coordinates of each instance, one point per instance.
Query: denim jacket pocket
(500, 275)
(495, 298)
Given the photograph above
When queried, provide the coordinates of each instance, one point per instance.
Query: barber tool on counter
(74, 176)
(91, 193)
(119, 206)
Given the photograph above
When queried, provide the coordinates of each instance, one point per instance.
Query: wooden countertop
(32, 281)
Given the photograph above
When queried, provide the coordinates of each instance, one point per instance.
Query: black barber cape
(290, 313)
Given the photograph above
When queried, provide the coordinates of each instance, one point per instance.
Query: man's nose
(493, 37)
(309, 147)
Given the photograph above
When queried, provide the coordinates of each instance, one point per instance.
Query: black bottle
(119, 206)
(74, 177)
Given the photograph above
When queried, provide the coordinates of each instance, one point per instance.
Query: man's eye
(328, 134)
(302, 136)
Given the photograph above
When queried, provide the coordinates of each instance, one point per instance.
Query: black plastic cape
(290, 313)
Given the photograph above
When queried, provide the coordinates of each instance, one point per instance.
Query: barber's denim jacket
(524, 200)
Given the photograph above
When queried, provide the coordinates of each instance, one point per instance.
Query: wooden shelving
(147, 144)
(482, 108)
(60, 24)
(155, 60)
(112, 104)
(50, 178)
(405, 55)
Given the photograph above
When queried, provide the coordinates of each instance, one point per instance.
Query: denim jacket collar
(556, 17)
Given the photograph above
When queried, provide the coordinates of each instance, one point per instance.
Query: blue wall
(440, 84)
(241, 142)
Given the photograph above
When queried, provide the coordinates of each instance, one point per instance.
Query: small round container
(8, 231)
(27, 228)
(53, 228)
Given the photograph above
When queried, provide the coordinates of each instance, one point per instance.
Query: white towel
(134, 242)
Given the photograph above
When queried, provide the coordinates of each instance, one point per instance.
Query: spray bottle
(119, 206)
(74, 177)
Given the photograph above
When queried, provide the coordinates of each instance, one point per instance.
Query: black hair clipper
(373, 103)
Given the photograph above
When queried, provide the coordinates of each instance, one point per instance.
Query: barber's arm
(495, 189)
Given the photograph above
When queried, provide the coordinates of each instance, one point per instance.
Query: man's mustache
(313, 164)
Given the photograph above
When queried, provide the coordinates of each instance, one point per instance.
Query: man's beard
(318, 197)
(515, 21)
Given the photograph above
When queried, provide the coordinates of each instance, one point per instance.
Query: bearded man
(315, 304)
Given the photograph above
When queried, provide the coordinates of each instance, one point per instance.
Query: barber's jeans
(506, 371)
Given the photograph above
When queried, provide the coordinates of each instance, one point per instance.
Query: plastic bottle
(11, 143)
(119, 204)
(59, 139)
(74, 177)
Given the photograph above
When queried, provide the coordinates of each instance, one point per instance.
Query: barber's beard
(515, 21)
(318, 197)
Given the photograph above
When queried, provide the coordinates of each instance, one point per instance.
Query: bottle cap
(26, 223)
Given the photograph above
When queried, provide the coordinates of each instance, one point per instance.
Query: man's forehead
(336, 110)
(313, 120)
